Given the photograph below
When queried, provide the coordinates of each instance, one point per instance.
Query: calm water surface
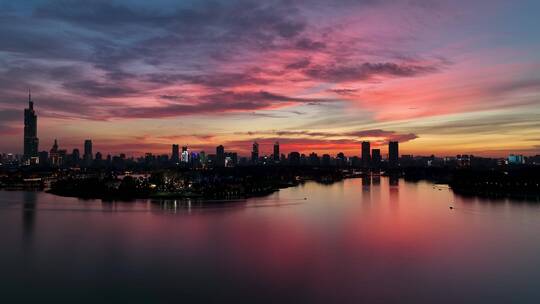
(350, 242)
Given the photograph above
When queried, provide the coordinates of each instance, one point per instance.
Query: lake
(371, 240)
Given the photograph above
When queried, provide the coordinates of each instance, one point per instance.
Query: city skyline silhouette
(443, 78)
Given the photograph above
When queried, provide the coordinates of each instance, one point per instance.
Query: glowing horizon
(441, 77)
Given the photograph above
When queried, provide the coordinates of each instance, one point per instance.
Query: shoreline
(466, 185)
(180, 196)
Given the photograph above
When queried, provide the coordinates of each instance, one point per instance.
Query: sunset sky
(442, 77)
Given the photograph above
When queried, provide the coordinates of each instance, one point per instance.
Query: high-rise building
(203, 158)
(31, 142)
(54, 148)
(63, 156)
(514, 159)
(43, 158)
(276, 152)
(341, 160)
(231, 159)
(175, 156)
(325, 160)
(314, 159)
(87, 151)
(294, 158)
(75, 156)
(366, 157)
(376, 158)
(99, 156)
(255, 153)
(220, 156)
(393, 154)
(54, 155)
(194, 159)
(185, 154)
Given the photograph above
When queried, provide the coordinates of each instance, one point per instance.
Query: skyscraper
(294, 158)
(175, 156)
(231, 159)
(341, 160)
(276, 152)
(366, 158)
(325, 160)
(75, 156)
(393, 154)
(203, 158)
(220, 156)
(31, 141)
(88, 151)
(185, 154)
(314, 159)
(255, 153)
(375, 158)
(54, 155)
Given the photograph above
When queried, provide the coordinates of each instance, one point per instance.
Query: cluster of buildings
(184, 157)
(57, 157)
(223, 158)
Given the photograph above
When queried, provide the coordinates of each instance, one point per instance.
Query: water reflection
(498, 198)
(376, 180)
(29, 215)
(189, 205)
(393, 181)
(359, 241)
(366, 182)
(174, 206)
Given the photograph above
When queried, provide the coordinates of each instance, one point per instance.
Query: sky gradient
(442, 77)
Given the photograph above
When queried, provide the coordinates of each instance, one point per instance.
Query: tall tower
(366, 154)
(54, 156)
(185, 154)
(376, 158)
(175, 156)
(255, 153)
(393, 154)
(88, 151)
(220, 156)
(31, 141)
(276, 152)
